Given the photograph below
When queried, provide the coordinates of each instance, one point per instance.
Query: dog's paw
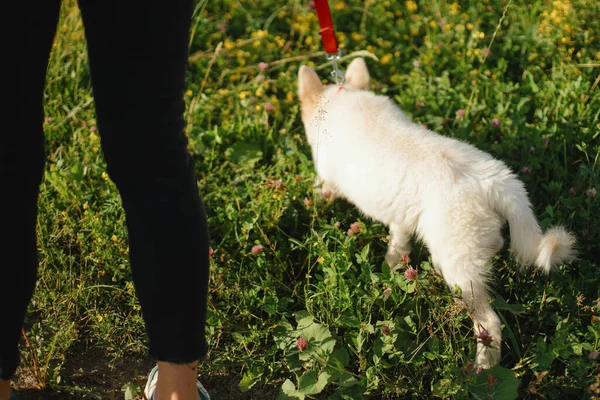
(396, 256)
(487, 356)
(392, 258)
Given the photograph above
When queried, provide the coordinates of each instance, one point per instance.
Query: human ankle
(176, 382)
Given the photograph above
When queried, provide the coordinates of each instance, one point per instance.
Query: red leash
(326, 23)
(328, 37)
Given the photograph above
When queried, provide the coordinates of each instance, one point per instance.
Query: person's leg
(138, 61)
(21, 166)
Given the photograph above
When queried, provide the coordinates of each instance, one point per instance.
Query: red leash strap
(325, 22)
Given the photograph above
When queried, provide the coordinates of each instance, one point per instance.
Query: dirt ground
(90, 375)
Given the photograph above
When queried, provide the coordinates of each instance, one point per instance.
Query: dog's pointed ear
(357, 74)
(309, 86)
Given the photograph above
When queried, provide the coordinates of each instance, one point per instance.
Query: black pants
(138, 58)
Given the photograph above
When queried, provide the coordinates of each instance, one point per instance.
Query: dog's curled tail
(530, 245)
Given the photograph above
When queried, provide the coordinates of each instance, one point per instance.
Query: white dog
(452, 196)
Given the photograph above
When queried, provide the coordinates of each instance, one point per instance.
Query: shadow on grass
(93, 374)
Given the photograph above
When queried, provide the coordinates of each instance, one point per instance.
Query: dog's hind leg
(470, 274)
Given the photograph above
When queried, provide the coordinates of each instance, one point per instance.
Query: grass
(517, 79)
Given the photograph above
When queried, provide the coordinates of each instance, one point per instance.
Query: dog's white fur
(452, 196)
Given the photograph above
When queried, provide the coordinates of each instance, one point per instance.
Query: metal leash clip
(337, 74)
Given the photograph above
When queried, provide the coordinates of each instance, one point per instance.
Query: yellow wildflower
(280, 41)
(260, 34)
(386, 59)
(339, 6)
(228, 44)
(411, 6)
(454, 7)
